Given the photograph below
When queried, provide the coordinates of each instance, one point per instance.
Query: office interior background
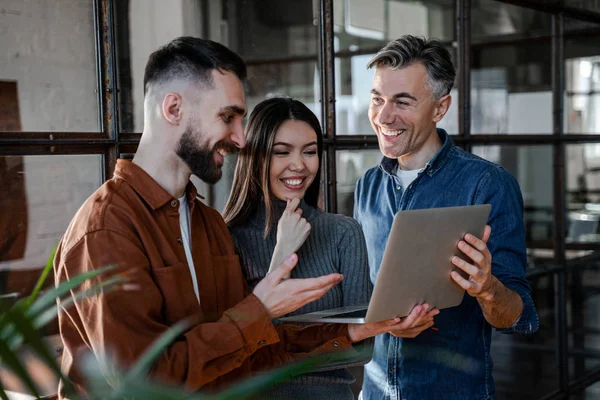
(527, 96)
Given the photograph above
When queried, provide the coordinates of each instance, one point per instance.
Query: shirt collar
(148, 189)
(389, 165)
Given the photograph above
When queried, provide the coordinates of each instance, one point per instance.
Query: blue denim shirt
(452, 362)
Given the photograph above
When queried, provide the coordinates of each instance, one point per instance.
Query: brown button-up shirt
(133, 223)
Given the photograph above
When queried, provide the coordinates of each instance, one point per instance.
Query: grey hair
(431, 53)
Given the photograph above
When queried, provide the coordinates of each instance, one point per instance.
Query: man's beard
(201, 161)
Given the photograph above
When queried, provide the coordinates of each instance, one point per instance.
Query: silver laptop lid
(417, 262)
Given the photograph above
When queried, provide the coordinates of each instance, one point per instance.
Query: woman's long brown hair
(251, 180)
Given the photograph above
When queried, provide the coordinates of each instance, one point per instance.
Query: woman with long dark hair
(273, 211)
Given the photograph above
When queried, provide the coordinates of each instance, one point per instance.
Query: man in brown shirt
(193, 110)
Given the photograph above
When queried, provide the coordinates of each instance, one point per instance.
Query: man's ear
(171, 108)
(442, 107)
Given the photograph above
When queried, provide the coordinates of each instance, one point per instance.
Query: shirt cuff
(340, 353)
(528, 322)
(252, 319)
(340, 340)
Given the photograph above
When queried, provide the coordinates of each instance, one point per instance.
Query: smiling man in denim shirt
(422, 168)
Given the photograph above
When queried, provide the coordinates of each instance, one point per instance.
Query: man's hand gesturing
(281, 296)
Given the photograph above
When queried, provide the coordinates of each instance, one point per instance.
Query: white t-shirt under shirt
(406, 177)
(185, 225)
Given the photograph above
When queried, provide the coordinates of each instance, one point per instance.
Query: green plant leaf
(3, 324)
(137, 388)
(97, 383)
(44, 316)
(265, 380)
(49, 314)
(42, 278)
(49, 297)
(11, 361)
(135, 383)
(3, 394)
(143, 365)
(32, 338)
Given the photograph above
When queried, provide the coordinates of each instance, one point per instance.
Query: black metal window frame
(110, 142)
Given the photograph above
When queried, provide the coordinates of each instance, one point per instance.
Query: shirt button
(336, 344)
(262, 342)
(174, 203)
(398, 187)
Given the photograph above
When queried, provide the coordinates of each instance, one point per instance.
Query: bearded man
(176, 251)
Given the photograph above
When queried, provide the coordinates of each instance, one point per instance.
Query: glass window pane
(592, 391)
(280, 42)
(353, 88)
(351, 165)
(584, 310)
(48, 69)
(450, 120)
(532, 168)
(546, 2)
(267, 29)
(277, 39)
(299, 80)
(142, 26)
(582, 74)
(575, 26)
(582, 4)
(583, 192)
(511, 88)
(526, 367)
(41, 196)
(365, 26)
(491, 19)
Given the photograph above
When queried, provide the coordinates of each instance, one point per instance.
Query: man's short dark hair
(431, 53)
(191, 59)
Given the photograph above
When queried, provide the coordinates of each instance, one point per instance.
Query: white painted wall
(48, 48)
(56, 186)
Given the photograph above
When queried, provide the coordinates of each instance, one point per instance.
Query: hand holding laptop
(481, 281)
(419, 319)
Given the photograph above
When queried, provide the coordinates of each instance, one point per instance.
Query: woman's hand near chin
(292, 231)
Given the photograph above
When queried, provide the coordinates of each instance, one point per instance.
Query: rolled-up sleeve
(507, 242)
(528, 321)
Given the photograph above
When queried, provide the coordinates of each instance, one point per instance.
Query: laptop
(416, 265)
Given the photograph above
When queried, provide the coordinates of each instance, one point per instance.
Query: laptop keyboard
(350, 314)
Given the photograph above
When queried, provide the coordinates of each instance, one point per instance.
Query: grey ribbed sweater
(335, 245)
